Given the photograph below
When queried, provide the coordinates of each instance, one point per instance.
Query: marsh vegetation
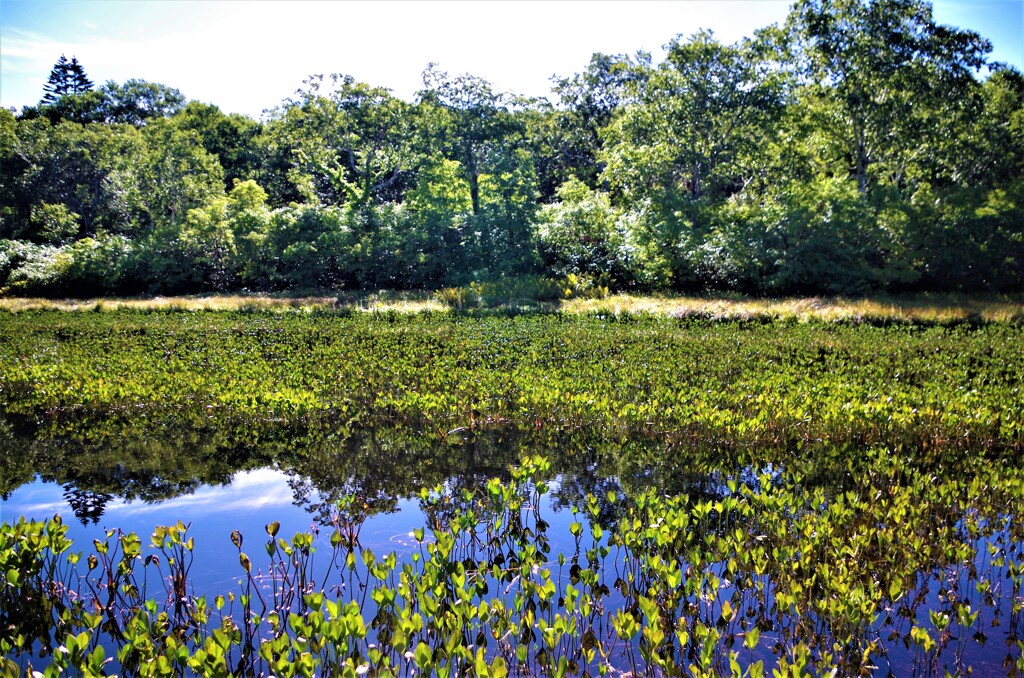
(585, 493)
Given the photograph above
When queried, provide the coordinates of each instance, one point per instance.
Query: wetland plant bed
(584, 493)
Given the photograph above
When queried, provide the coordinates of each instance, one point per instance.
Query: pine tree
(80, 82)
(66, 77)
(58, 84)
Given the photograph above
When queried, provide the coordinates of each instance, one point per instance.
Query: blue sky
(249, 56)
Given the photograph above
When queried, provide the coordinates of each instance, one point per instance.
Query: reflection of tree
(147, 468)
(626, 467)
(378, 467)
(17, 464)
(88, 506)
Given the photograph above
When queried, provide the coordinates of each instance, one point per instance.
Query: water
(217, 489)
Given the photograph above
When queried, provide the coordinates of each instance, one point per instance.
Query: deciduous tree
(891, 81)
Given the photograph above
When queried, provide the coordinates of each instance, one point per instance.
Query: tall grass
(924, 307)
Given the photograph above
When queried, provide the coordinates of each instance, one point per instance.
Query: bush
(520, 291)
(93, 266)
(583, 235)
(26, 268)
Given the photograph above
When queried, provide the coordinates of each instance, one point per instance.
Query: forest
(858, 147)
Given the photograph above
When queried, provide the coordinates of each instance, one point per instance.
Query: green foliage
(232, 138)
(175, 174)
(26, 268)
(589, 100)
(675, 585)
(684, 144)
(891, 80)
(742, 493)
(66, 77)
(138, 102)
(583, 234)
(350, 141)
(99, 263)
(310, 242)
(724, 167)
(217, 244)
(770, 384)
(984, 225)
(826, 240)
(56, 223)
(70, 169)
(436, 247)
(505, 216)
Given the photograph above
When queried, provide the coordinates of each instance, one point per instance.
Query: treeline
(859, 146)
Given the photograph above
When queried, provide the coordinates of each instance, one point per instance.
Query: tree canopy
(858, 146)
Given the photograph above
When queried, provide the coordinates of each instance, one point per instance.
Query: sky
(248, 57)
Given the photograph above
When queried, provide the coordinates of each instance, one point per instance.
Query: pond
(933, 585)
(345, 494)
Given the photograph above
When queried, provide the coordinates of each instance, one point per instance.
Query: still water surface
(158, 482)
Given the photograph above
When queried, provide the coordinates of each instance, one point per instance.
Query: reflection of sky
(248, 490)
(248, 503)
(256, 498)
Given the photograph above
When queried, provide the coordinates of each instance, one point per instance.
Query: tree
(468, 121)
(138, 101)
(230, 137)
(696, 116)
(134, 103)
(890, 81)
(349, 141)
(66, 77)
(439, 210)
(14, 209)
(172, 175)
(993, 152)
(685, 144)
(83, 168)
(582, 234)
(587, 102)
(507, 212)
(82, 108)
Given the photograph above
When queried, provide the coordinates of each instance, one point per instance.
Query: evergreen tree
(58, 83)
(80, 82)
(66, 77)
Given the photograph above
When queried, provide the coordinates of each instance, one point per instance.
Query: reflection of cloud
(44, 508)
(247, 491)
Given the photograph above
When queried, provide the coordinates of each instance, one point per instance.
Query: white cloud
(246, 57)
(47, 508)
(249, 56)
(248, 491)
(26, 52)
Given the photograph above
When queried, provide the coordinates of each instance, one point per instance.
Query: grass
(919, 307)
(924, 307)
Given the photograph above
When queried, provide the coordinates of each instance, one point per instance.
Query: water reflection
(87, 505)
(847, 521)
(383, 466)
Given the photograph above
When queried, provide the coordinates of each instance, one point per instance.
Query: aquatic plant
(903, 570)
